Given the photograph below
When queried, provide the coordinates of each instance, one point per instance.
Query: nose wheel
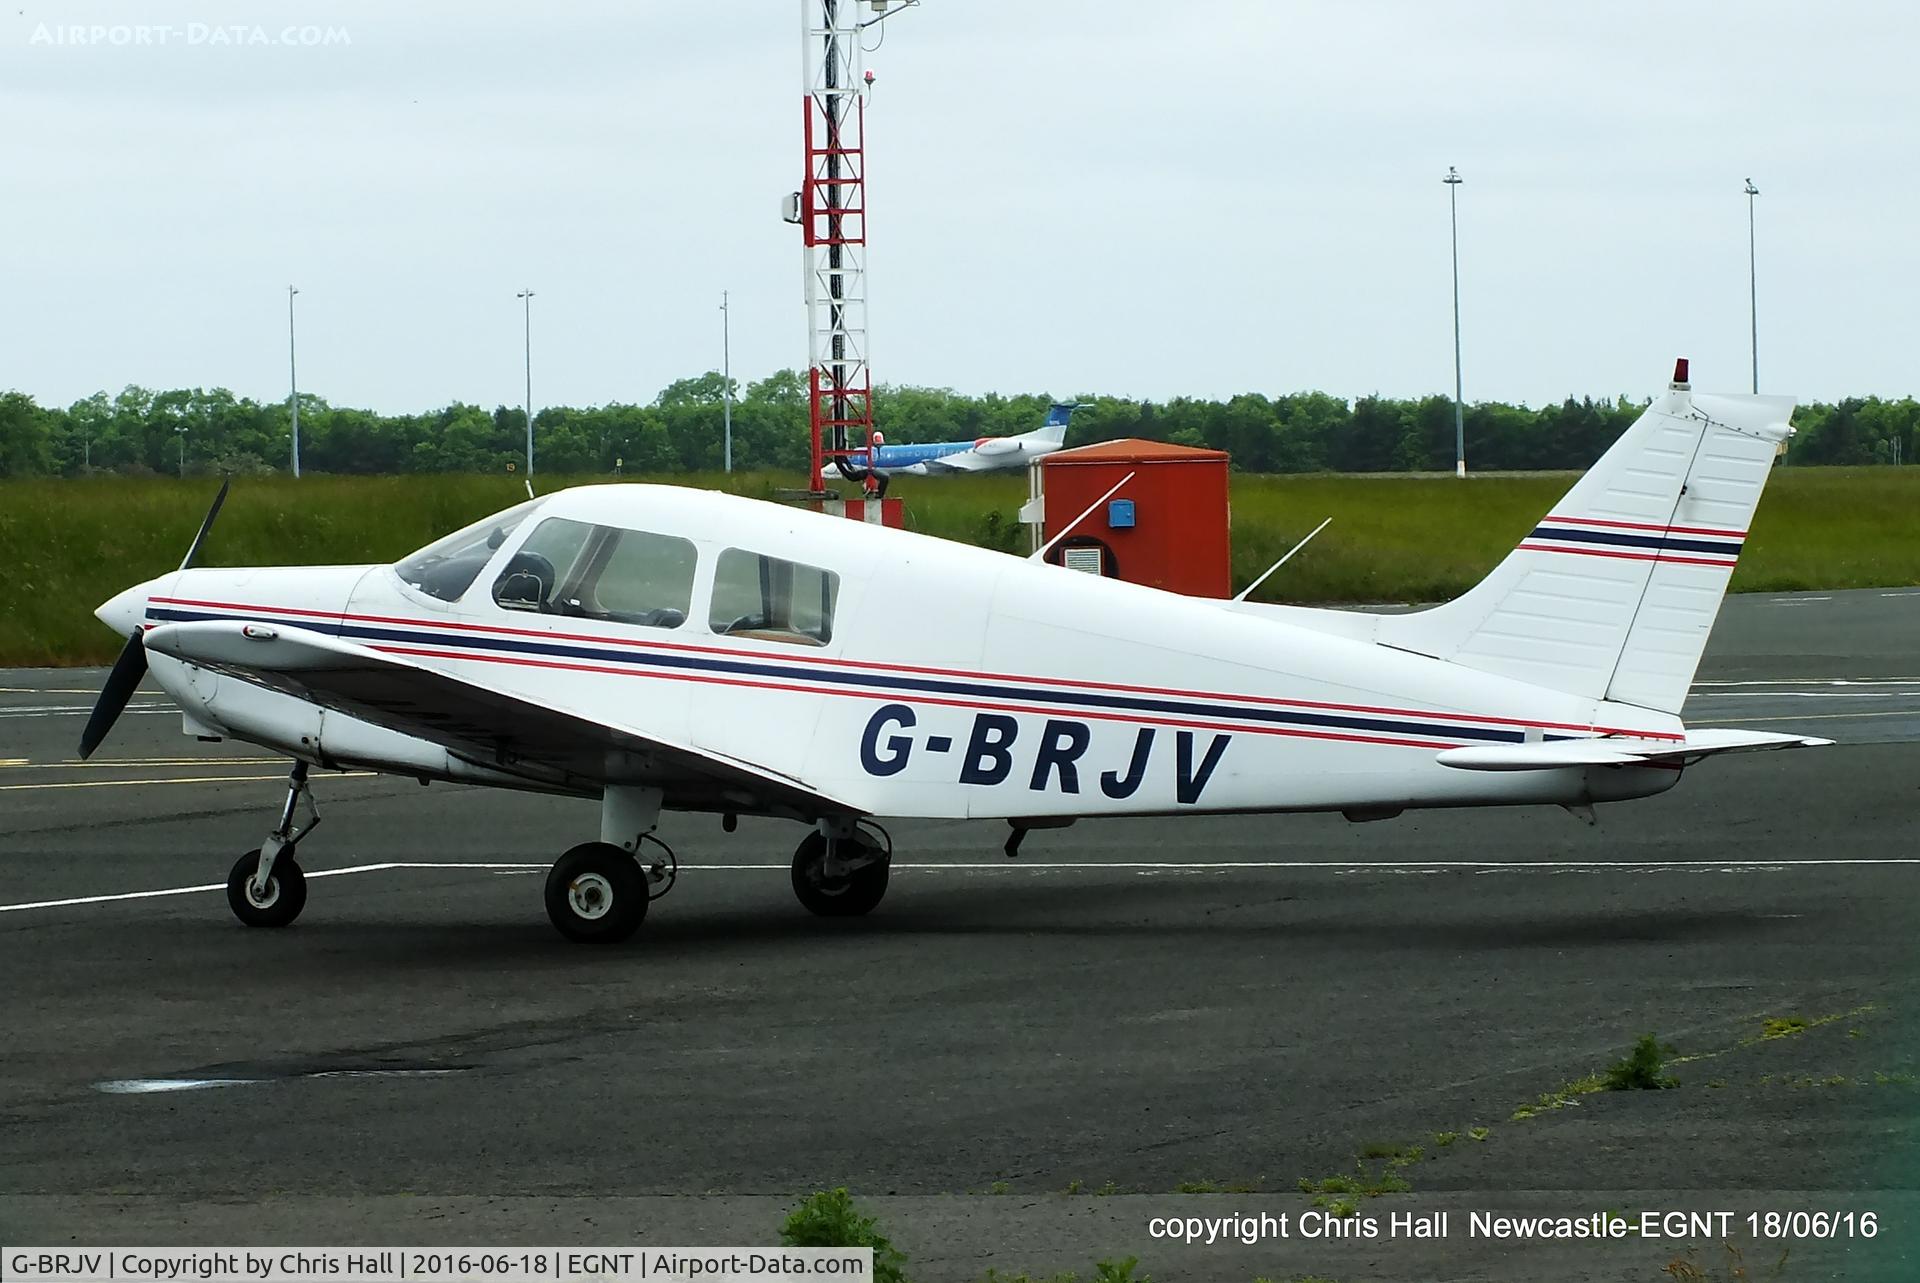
(277, 903)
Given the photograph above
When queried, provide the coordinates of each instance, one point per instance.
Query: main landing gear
(598, 892)
(841, 869)
(266, 887)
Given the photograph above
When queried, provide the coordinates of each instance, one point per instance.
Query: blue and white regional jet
(986, 454)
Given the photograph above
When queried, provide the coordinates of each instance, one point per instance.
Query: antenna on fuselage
(1242, 594)
(530, 493)
(1039, 553)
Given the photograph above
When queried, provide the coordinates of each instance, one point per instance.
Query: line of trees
(144, 432)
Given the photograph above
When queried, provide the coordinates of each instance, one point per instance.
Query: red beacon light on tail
(1680, 383)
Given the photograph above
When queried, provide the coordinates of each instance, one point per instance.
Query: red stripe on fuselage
(891, 698)
(918, 670)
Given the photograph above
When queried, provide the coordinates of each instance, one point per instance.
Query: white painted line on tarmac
(109, 899)
(76, 710)
(1816, 681)
(1082, 866)
(1802, 694)
(1832, 717)
(185, 779)
(133, 763)
(221, 886)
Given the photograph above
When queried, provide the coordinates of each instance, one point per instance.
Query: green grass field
(69, 545)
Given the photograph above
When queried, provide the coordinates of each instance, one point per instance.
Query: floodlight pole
(1453, 181)
(1753, 287)
(526, 303)
(726, 376)
(293, 385)
(180, 434)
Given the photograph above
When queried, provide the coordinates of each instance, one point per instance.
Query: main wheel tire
(286, 890)
(848, 896)
(596, 894)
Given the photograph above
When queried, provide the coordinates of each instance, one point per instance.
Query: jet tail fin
(1612, 594)
(1054, 430)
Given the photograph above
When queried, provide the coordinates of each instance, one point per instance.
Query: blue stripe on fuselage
(906, 686)
(905, 456)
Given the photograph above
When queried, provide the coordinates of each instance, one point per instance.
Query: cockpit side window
(535, 577)
(768, 599)
(599, 572)
(447, 567)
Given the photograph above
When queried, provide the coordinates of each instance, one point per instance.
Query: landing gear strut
(841, 870)
(266, 887)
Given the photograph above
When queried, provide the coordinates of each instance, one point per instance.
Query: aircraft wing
(481, 724)
(1560, 754)
(967, 461)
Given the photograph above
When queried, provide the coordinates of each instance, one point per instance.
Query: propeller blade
(119, 688)
(193, 550)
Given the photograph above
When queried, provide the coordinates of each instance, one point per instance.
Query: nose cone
(125, 612)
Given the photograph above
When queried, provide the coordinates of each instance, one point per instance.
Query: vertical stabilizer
(1613, 593)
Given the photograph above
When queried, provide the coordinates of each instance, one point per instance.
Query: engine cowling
(996, 445)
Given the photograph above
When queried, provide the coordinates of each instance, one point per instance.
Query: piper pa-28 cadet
(660, 648)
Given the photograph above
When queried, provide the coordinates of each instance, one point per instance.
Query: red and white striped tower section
(833, 221)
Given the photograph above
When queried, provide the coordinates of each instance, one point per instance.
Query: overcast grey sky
(1132, 197)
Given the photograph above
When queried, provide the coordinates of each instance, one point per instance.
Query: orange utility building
(1166, 527)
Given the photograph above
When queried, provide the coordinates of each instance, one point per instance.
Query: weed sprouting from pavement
(1643, 1068)
(828, 1218)
(1688, 1269)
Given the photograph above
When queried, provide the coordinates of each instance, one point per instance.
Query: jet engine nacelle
(996, 445)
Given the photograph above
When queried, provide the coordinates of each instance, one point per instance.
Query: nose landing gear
(266, 887)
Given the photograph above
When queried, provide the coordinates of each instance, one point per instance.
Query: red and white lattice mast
(831, 208)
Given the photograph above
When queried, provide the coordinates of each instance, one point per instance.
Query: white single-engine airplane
(662, 648)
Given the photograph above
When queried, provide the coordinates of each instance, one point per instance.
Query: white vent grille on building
(1087, 560)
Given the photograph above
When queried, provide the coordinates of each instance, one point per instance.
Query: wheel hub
(263, 899)
(590, 896)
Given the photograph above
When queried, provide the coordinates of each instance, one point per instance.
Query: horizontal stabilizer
(1560, 754)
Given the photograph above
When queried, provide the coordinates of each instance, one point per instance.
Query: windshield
(447, 567)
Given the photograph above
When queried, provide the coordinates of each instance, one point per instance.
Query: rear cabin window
(599, 572)
(767, 599)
